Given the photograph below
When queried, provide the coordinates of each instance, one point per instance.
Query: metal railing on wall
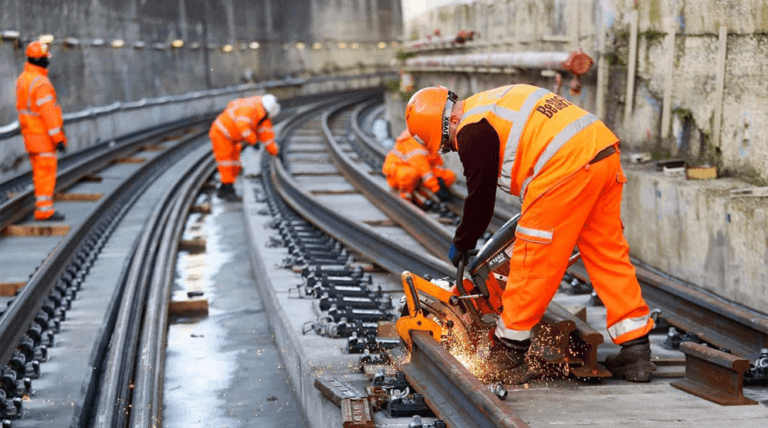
(13, 129)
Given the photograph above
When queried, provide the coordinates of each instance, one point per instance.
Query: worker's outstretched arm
(478, 146)
(267, 136)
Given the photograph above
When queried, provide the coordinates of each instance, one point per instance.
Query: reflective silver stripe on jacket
(518, 118)
(43, 198)
(228, 163)
(627, 325)
(47, 154)
(427, 176)
(54, 131)
(543, 234)
(29, 92)
(556, 144)
(263, 129)
(515, 134)
(44, 100)
(222, 128)
(27, 112)
(243, 119)
(45, 209)
(405, 157)
(246, 133)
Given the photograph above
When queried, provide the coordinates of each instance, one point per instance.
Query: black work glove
(456, 255)
(61, 147)
(443, 194)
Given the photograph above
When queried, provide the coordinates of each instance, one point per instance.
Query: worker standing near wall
(246, 120)
(409, 165)
(41, 126)
(563, 163)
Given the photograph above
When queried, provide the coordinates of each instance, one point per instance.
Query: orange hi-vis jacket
(536, 131)
(408, 151)
(246, 120)
(39, 114)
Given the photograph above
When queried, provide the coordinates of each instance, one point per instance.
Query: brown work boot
(510, 363)
(633, 362)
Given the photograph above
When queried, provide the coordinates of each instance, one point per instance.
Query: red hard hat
(427, 117)
(38, 49)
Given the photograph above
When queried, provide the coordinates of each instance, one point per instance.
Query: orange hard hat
(427, 116)
(38, 49)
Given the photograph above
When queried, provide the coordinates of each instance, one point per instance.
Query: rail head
(454, 394)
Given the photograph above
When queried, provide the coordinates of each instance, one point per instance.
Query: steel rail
(450, 390)
(24, 179)
(424, 228)
(146, 403)
(454, 394)
(714, 320)
(17, 317)
(362, 238)
(23, 203)
(114, 403)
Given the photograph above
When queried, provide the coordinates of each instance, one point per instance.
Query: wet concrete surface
(224, 370)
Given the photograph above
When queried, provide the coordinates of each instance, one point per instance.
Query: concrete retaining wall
(697, 232)
(87, 71)
(566, 25)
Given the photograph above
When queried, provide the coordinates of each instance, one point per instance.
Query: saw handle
(414, 305)
(468, 305)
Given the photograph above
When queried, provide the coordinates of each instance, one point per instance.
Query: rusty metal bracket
(713, 375)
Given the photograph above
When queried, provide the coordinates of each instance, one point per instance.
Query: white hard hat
(270, 105)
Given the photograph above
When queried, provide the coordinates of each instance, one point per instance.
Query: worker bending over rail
(563, 163)
(244, 120)
(41, 126)
(409, 165)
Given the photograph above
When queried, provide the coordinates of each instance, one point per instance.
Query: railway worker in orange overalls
(41, 126)
(409, 165)
(563, 164)
(248, 120)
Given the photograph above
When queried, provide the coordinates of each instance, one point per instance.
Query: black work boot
(633, 362)
(57, 216)
(227, 192)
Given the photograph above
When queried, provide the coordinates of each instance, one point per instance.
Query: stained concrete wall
(565, 25)
(95, 74)
(692, 230)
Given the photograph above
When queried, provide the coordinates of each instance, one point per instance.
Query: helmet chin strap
(445, 142)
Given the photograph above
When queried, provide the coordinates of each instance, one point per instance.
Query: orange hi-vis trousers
(44, 177)
(406, 178)
(584, 211)
(227, 156)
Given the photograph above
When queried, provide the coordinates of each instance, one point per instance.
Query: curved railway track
(328, 161)
(175, 167)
